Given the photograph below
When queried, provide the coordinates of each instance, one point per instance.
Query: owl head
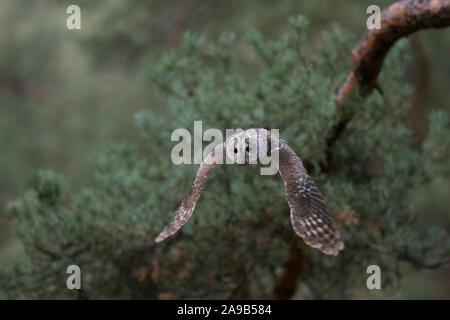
(251, 146)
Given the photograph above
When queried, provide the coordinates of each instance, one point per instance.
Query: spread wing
(309, 214)
(184, 211)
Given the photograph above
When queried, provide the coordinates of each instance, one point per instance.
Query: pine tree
(239, 239)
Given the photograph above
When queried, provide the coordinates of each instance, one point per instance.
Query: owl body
(308, 211)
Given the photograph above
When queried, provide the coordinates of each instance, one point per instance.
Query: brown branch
(47, 252)
(293, 268)
(185, 9)
(242, 289)
(421, 90)
(337, 130)
(398, 20)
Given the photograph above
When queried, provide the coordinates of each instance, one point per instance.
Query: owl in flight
(308, 211)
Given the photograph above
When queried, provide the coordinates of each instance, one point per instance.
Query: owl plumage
(308, 211)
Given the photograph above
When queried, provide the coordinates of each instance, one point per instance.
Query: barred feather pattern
(308, 211)
(309, 214)
(186, 208)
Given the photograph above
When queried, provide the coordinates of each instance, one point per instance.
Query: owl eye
(235, 150)
(247, 149)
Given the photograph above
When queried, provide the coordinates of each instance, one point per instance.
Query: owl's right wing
(186, 208)
(309, 215)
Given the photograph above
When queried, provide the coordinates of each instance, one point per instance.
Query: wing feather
(309, 214)
(187, 206)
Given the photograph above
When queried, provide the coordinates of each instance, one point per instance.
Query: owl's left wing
(186, 208)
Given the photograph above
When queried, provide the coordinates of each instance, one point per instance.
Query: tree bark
(292, 270)
(398, 20)
(186, 8)
(416, 113)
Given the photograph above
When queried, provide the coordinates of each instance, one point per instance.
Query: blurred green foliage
(69, 94)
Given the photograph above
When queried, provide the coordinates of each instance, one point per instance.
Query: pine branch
(398, 20)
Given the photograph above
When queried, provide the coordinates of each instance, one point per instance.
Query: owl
(308, 211)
